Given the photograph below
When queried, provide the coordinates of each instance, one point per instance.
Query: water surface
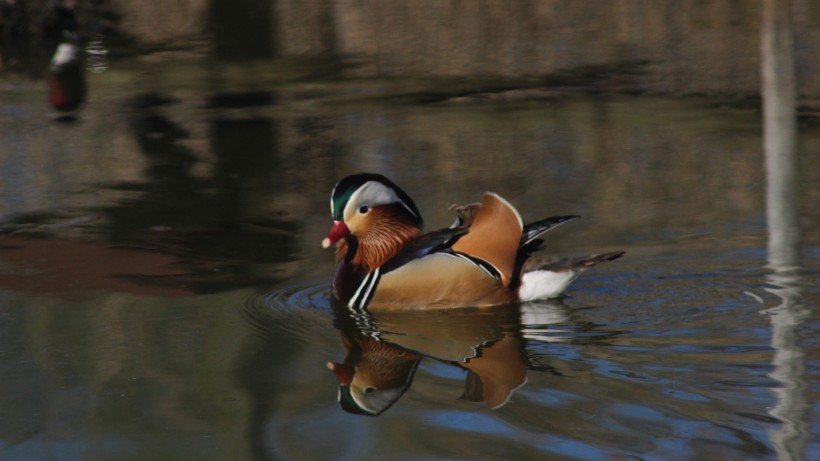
(164, 294)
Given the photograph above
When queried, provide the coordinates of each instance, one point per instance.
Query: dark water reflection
(163, 293)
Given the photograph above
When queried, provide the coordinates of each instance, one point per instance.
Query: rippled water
(164, 294)
(660, 358)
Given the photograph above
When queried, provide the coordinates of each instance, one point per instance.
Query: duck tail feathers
(535, 229)
(545, 279)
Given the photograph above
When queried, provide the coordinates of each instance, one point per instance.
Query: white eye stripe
(332, 203)
(373, 193)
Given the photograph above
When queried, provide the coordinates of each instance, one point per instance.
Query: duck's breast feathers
(494, 236)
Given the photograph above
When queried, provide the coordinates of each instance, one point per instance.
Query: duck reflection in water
(384, 349)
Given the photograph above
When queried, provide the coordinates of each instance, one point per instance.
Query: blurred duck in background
(66, 72)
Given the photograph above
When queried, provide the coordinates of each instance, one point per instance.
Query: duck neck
(379, 244)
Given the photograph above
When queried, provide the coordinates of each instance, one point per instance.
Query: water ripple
(291, 307)
(303, 296)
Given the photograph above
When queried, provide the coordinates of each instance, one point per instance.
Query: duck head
(373, 217)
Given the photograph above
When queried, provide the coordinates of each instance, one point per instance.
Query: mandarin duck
(66, 72)
(386, 262)
(66, 78)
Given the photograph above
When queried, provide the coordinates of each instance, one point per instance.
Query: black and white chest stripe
(365, 291)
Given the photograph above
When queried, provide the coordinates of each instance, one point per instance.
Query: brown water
(164, 295)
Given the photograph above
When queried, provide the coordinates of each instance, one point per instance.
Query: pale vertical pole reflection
(780, 146)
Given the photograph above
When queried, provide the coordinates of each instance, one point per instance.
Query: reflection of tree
(127, 368)
(219, 219)
(108, 374)
(242, 29)
(271, 359)
(780, 146)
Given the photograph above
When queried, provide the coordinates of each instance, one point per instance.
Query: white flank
(545, 284)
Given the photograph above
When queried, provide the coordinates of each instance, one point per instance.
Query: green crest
(348, 186)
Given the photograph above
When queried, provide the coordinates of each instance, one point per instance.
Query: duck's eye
(369, 390)
(364, 209)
